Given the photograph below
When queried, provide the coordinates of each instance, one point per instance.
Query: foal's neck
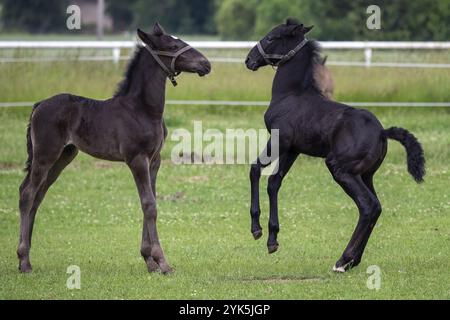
(149, 85)
(290, 76)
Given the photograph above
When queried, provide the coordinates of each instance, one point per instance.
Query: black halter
(282, 58)
(171, 73)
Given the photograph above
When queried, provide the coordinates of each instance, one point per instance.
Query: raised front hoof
(257, 234)
(340, 267)
(272, 248)
(25, 267)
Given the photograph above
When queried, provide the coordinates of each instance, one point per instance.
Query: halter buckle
(174, 82)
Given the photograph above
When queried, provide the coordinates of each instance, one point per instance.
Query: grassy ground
(36, 81)
(92, 218)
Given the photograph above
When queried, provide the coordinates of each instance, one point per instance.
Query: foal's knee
(371, 210)
(274, 184)
(255, 172)
(149, 209)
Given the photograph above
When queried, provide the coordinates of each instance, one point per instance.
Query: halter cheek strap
(282, 58)
(171, 72)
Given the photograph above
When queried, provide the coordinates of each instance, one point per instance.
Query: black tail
(414, 151)
(29, 142)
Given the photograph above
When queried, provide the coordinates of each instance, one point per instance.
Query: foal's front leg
(152, 266)
(255, 176)
(151, 247)
(255, 210)
(285, 163)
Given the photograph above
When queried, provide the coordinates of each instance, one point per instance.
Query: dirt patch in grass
(11, 166)
(170, 197)
(103, 164)
(198, 178)
(283, 279)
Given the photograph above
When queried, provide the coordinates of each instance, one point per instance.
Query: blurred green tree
(37, 16)
(236, 19)
(121, 12)
(405, 20)
(270, 13)
(187, 17)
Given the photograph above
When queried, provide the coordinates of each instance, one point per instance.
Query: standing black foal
(352, 141)
(128, 127)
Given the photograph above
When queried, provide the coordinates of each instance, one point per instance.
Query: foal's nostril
(246, 60)
(206, 64)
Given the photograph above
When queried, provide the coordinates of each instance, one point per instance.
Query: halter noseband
(171, 73)
(282, 58)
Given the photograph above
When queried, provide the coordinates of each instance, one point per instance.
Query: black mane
(314, 53)
(124, 85)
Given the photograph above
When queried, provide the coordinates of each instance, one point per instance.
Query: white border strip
(263, 103)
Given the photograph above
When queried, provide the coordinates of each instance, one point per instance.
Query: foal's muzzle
(205, 67)
(251, 64)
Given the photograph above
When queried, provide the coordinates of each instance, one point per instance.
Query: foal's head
(277, 44)
(188, 61)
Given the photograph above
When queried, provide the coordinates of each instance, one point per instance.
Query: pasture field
(91, 217)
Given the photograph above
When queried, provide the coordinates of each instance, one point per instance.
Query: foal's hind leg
(368, 181)
(152, 266)
(367, 178)
(69, 153)
(368, 206)
(33, 190)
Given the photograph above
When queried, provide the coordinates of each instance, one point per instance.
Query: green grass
(34, 82)
(91, 218)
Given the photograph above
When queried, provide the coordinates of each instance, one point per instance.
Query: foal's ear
(300, 29)
(146, 38)
(307, 29)
(158, 29)
(292, 21)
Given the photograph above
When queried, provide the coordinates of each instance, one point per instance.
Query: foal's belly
(101, 150)
(311, 144)
(320, 151)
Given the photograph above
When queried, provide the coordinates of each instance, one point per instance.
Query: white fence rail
(117, 46)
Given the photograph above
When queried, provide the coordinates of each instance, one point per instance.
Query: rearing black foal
(352, 141)
(128, 127)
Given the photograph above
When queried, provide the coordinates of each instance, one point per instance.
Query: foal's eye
(174, 47)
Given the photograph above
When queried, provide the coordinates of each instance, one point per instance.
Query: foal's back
(310, 123)
(101, 128)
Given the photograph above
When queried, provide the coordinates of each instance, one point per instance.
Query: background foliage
(420, 20)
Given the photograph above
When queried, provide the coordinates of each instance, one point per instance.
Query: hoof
(166, 269)
(338, 269)
(257, 234)
(152, 266)
(342, 268)
(272, 248)
(25, 267)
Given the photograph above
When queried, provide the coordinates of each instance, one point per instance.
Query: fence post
(368, 56)
(116, 55)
